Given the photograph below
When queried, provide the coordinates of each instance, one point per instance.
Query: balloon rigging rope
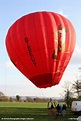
(5, 75)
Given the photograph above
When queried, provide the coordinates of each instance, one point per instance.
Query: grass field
(23, 104)
(29, 111)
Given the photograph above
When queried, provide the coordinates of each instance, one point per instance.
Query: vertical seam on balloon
(55, 60)
(55, 64)
(46, 46)
(37, 42)
(27, 70)
(45, 42)
(61, 60)
(61, 22)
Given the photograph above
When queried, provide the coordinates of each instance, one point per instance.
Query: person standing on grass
(51, 108)
(50, 104)
(64, 110)
(58, 109)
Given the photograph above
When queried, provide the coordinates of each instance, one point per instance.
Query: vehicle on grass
(76, 107)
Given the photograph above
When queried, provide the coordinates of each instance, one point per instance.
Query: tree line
(71, 91)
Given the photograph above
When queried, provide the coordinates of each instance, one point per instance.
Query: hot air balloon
(40, 45)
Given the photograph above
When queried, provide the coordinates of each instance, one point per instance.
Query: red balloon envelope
(40, 45)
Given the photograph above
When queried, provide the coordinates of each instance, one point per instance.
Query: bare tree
(77, 83)
(18, 98)
(77, 88)
(68, 92)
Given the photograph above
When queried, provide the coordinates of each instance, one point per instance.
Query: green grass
(23, 104)
(29, 111)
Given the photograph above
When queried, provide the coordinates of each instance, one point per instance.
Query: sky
(12, 82)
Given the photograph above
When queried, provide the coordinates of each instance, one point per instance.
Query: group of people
(56, 109)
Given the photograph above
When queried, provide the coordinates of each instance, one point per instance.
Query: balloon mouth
(44, 80)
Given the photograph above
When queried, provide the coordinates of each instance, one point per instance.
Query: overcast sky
(12, 82)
